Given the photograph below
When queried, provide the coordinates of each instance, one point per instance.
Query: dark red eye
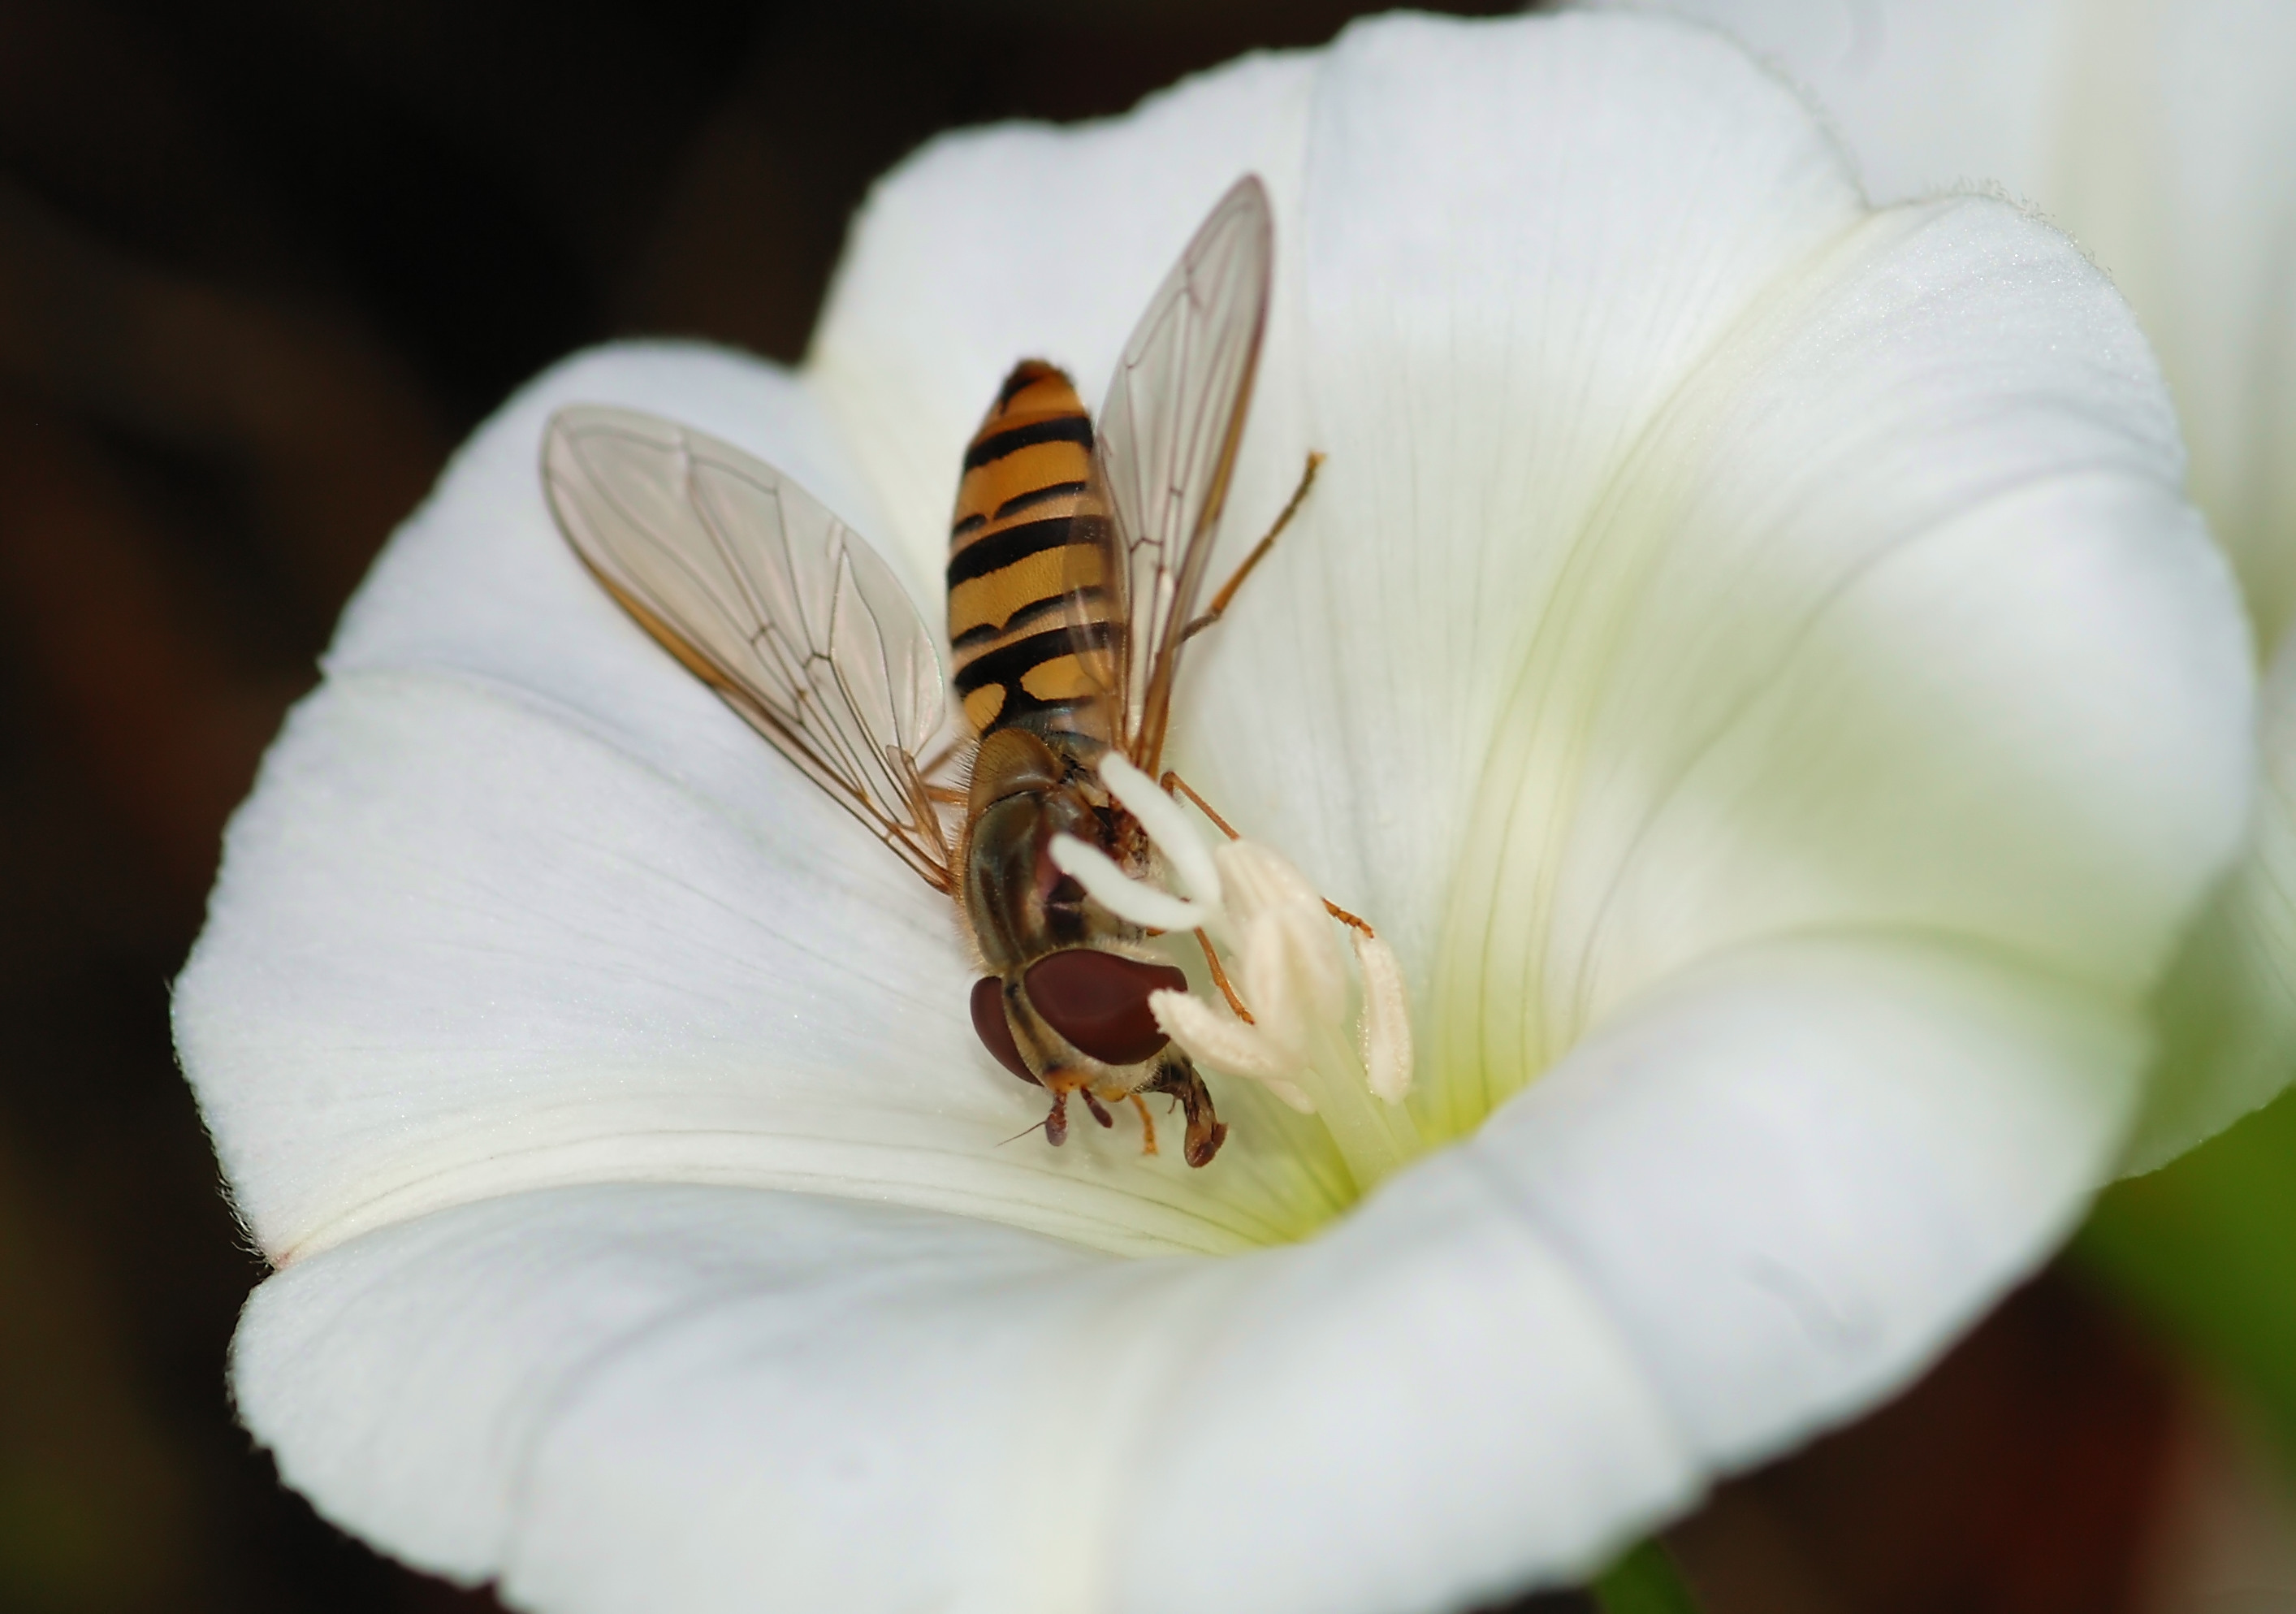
(996, 1032)
(1099, 1001)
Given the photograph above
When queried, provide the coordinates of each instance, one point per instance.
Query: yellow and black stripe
(1023, 539)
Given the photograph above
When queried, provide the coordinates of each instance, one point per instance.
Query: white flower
(2161, 133)
(1748, 654)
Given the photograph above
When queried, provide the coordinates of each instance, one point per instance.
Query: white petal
(627, 1398)
(1895, 621)
(2228, 1009)
(1931, 94)
(1794, 1172)
(2161, 133)
(1755, 1201)
(1476, 354)
(1889, 614)
(2183, 153)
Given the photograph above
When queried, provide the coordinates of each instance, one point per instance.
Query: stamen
(1121, 895)
(1292, 973)
(1231, 1046)
(1255, 879)
(1227, 1045)
(1384, 1031)
(1289, 983)
(1167, 827)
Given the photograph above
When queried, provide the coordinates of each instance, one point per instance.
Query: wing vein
(758, 589)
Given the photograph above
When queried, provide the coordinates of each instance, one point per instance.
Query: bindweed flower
(1747, 653)
(2162, 134)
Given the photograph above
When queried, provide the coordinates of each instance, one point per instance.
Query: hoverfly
(1075, 557)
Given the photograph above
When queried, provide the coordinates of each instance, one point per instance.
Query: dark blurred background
(261, 265)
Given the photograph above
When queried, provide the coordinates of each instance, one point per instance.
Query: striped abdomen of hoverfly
(1021, 541)
(1065, 1004)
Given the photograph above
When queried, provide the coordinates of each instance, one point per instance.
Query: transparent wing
(1164, 453)
(772, 601)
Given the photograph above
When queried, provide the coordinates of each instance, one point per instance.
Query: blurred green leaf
(1645, 1581)
(2205, 1248)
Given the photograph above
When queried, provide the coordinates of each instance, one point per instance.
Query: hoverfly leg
(1219, 607)
(1219, 980)
(1147, 1124)
(1171, 782)
(1348, 918)
(1099, 1110)
(1206, 1131)
(940, 758)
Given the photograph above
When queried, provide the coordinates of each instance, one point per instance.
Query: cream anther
(1384, 1031)
(1167, 824)
(1227, 1044)
(1130, 899)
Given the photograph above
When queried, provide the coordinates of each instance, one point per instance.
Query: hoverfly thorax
(1075, 555)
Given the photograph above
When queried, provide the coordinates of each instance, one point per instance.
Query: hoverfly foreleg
(1147, 1124)
(1206, 1130)
(1212, 612)
(1347, 919)
(1173, 782)
(1219, 980)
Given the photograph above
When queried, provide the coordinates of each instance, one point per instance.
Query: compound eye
(995, 1031)
(1099, 1001)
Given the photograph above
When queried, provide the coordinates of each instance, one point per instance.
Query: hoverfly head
(1098, 1001)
